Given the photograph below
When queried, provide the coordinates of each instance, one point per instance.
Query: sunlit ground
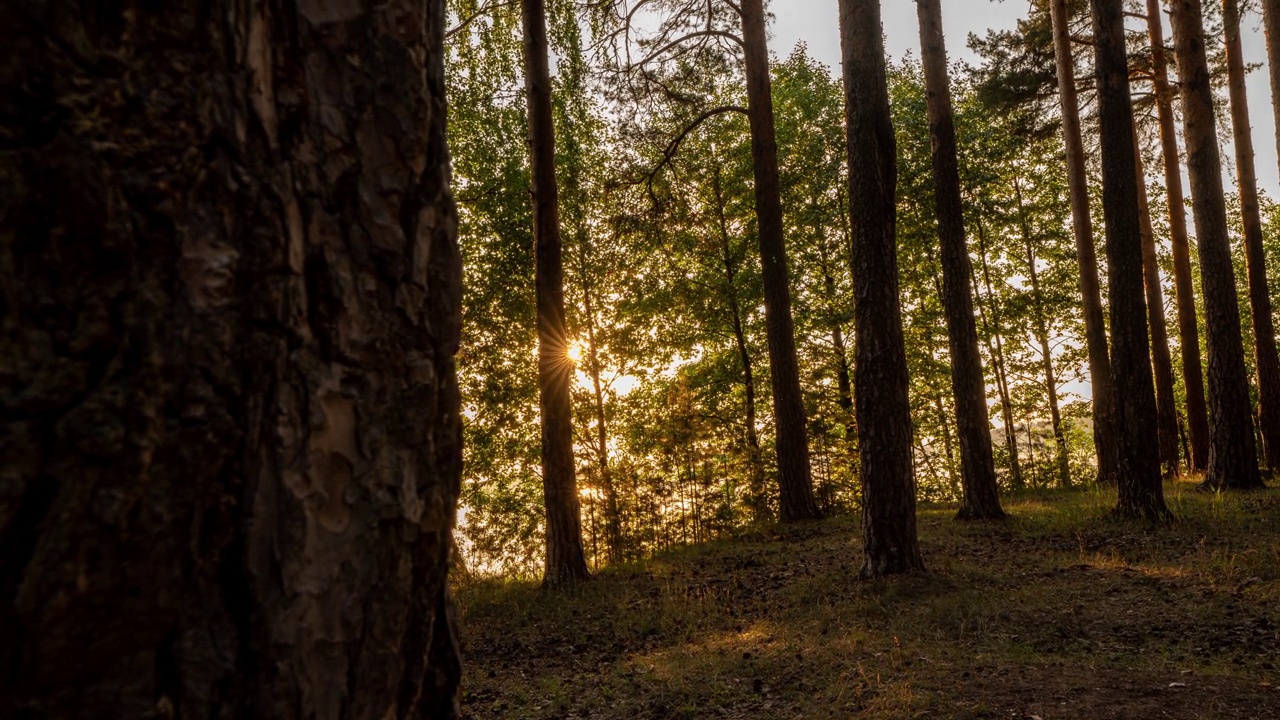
(1062, 612)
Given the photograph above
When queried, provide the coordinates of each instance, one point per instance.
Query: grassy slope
(1062, 612)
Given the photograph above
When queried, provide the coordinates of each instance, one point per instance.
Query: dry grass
(1061, 612)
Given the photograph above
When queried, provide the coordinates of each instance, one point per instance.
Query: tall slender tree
(1161, 360)
(1141, 493)
(977, 467)
(1233, 460)
(565, 559)
(1264, 331)
(795, 484)
(1184, 287)
(1104, 395)
(235, 496)
(796, 499)
(881, 397)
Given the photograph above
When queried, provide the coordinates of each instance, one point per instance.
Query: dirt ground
(1062, 612)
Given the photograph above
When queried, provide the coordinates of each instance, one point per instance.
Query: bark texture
(1161, 360)
(1233, 460)
(1184, 286)
(565, 560)
(1104, 396)
(884, 413)
(1264, 331)
(795, 483)
(977, 468)
(1141, 491)
(230, 292)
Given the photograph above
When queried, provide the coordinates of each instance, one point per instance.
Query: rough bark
(1161, 360)
(1232, 450)
(883, 409)
(565, 559)
(1264, 331)
(981, 499)
(1141, 491)
(794, 481)
(231, 287)
(1184, 286)
(1104, 395)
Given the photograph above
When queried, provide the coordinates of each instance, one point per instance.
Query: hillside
(1061, 612)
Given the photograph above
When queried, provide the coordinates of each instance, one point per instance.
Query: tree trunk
(1188, 325)
(996, 349)
(795, 484)
(231, 437)
(1264, 330)
(1233, 460)
(565, 560)
(612, 515)
(756, 500)
(883, 407)
(1141, 491)
(1104, 394)
(1161, 360)
(1041, 332)
(844, 382)
(973, 422)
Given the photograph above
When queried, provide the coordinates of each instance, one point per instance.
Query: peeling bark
(230, 294)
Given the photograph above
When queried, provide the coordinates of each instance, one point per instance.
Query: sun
(576, 352)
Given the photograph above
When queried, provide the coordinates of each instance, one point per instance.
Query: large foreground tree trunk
(565, 559)
(231, 288)
(1141, 492)
(1104, 397)
(1188, 324)
(1233, 460)
(795, 484)
(880, 371)
(1264, 330)
(977, 468)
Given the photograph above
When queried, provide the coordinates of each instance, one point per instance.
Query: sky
(815, 22)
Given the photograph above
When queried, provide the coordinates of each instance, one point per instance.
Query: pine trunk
(565, 559)
(1141, 491)
(1233, 460)
(1184, 285)
(231, 438)
(883, 408)
(1264, 330)
(1161, 360)
(977, 468)
(1104, 395)
(794, 481)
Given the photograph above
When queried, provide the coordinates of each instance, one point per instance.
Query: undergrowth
(1062, 611)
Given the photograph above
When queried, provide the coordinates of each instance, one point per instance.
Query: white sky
(816, 23)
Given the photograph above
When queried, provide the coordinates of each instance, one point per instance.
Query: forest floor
(1060, 612)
